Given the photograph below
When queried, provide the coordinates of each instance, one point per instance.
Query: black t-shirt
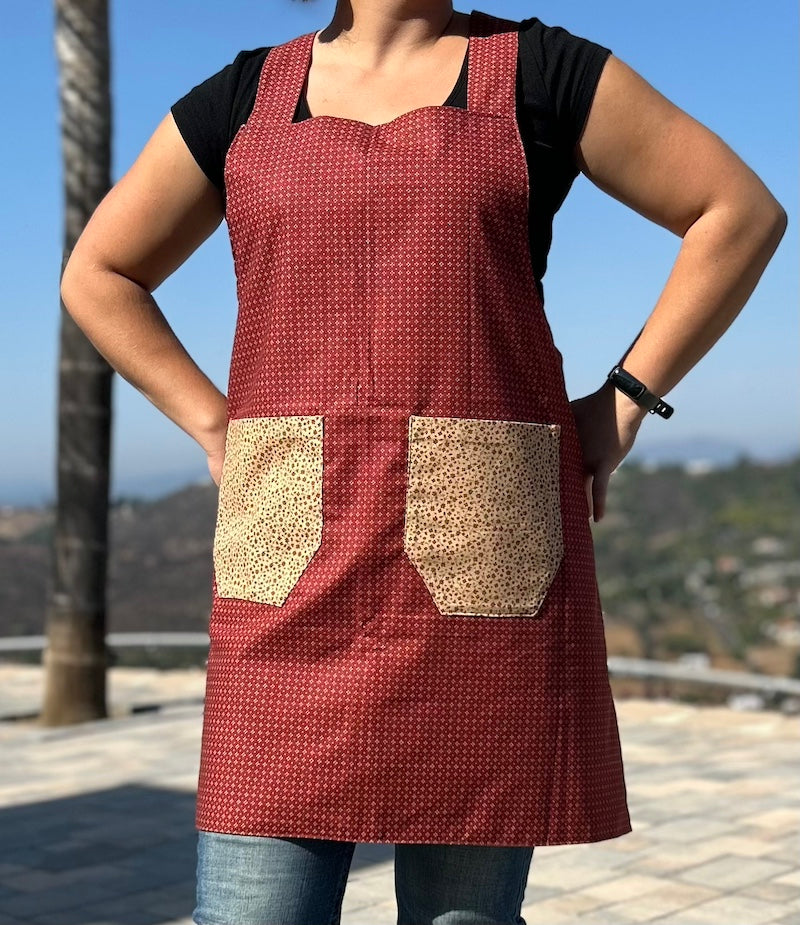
(557, 74)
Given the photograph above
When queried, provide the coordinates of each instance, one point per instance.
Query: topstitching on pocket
(269, 516)
(483, 514)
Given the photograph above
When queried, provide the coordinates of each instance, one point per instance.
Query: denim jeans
(255, 880)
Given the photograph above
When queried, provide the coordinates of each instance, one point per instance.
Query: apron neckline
(305, 66)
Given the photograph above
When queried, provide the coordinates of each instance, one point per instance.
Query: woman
(406, 636)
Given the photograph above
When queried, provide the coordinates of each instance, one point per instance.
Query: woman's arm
(147, 225)
(650, 155)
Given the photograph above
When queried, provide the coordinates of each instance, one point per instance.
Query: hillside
(687, 561)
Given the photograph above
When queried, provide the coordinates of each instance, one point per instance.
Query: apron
(406, 638)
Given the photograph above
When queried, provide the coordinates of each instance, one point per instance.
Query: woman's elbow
(76, 282)
(751, 213)
(778, 220)
(70, 286)
(767, 217)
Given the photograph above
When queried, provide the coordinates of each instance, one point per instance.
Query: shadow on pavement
(121, 856)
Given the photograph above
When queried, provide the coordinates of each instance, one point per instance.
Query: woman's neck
(373, 32)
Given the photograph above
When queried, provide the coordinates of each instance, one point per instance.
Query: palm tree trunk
(75, 659)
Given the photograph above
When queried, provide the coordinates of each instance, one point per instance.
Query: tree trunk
(75, 659)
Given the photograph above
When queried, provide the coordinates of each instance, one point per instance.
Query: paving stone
(120, 881)
(85, 856)
(62, 899)
(536, 893)
(627, 887)
(632, 843)
(180, 903)
(598, 917)
(29, 857)
(732, 873)
(6, 893)
(772, 890)
(668, 899)
(572, 877)
(379, 914)
(788, 853)
(361, 893)
(669, 858)
(534, 915)
(563, 908)
(34, 881)
(777, 820)
(734, 909)
(613, 858)
(686, 917)
(75, 916)
(687, 829)
(792, 878)
(744, 847)
(653, 813)
(99, 915)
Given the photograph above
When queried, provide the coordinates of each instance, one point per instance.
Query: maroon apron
(406, 639)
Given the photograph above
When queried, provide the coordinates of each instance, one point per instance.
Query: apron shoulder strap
(282, 78)
(492, 69)
(491, 75)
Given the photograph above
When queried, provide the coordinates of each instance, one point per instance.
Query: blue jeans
(255, 880)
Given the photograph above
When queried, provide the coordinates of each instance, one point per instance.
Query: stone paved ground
(96, 820)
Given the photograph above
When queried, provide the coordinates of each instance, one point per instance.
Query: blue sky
(733, 69)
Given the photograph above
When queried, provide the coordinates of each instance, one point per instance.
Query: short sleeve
(566, 69)
(210, 114)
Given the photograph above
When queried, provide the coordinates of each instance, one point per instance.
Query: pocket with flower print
(483, 514)
(269, 515)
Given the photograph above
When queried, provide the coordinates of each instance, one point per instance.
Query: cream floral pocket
(483, 513)
(269, 516)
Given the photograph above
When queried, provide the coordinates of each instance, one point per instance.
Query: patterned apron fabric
(407, 642)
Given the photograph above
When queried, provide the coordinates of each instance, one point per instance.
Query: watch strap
(638, 391)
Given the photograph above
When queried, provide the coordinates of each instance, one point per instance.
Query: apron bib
(406, 639)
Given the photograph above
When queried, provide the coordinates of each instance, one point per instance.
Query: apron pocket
(269, 517)
(483, 513)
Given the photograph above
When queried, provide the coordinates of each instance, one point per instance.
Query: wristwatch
(639, 392)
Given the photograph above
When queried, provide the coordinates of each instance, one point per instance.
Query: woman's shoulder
(543, 36)
(209, 115)
(560, 70)
(226, 89)
(554, 48)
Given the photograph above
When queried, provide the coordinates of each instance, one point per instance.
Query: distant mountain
(648, 451)
(34, 492)
(713, 450)
(690, 558)
(160, 564)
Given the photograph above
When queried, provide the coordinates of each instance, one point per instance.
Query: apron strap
(492, 69)
(282, 78)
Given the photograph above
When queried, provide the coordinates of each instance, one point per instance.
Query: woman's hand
(213, 435)
(215, 453)
(607, 422)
